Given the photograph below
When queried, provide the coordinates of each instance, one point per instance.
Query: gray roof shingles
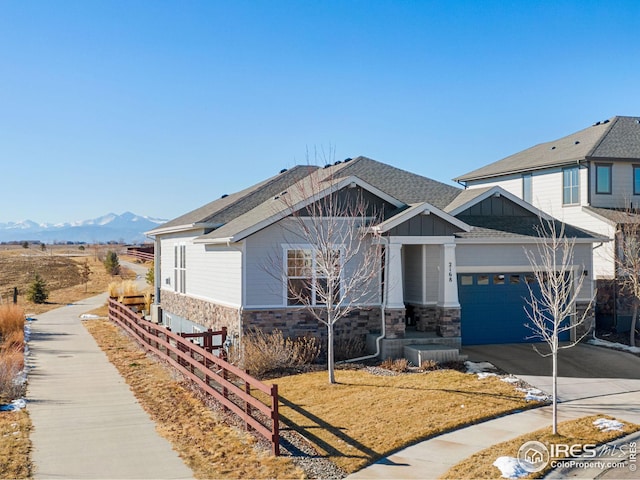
(618, 138)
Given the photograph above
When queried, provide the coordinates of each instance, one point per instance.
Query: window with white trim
(313, 279)
(570, 186)
(180, 268)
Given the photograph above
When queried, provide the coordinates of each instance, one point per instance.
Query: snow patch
(618, 346)
(534, 395)
(510, 379)
(483, 375)
(18, 404)
(478, 367)
(510, 467)
(608, 425)
(88, 316)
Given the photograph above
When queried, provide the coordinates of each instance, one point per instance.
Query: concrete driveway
(584, 371)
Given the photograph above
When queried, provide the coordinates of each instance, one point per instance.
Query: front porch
(439, 347)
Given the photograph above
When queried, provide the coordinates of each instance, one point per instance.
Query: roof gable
(422, 219)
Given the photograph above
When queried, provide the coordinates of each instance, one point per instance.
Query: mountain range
(127, 228)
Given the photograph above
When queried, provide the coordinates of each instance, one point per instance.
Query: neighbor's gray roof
(616, 215)
(617, 138)
(513, 227)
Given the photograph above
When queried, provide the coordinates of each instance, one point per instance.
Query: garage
(493, 307)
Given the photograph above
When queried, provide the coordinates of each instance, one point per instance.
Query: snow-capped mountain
(127, 228)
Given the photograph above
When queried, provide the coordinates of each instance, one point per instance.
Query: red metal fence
(229, 385)
(144, 256)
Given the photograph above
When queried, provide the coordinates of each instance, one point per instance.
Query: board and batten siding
(264, 263)
(212, 273)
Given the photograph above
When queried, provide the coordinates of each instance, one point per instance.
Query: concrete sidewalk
(432, 458)
(87, 423)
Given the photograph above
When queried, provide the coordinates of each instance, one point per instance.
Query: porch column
(448, 292)
(395, 296)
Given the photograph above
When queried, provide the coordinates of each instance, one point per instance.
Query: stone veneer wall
(590, 320)
(202, 312)
(426, 317)
(298, 322)
(448, 324)
(431, 318)
(394, 320)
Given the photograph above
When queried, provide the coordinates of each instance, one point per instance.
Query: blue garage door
(493, 308)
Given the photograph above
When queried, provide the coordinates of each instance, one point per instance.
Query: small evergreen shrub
(38, 291)
(112, 263)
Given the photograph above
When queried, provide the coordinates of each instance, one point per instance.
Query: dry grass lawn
(208, 446)
(365, 417)
(15, 446)
(580, 431)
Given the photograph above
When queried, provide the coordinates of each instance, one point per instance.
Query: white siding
(546, 188)
(212, 273)
(622, 187)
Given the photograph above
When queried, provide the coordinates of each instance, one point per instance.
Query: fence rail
(229, 385)
(145, 256)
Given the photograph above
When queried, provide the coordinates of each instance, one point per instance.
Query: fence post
(247, 405)
(275, 421)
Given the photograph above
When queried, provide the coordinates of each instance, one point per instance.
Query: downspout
(382, 309)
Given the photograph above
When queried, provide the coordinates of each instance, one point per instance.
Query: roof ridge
(603, 136)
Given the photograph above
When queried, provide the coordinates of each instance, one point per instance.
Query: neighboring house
(456, 266)
(589, 179)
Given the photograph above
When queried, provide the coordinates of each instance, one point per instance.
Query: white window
(527, 195)
(180, 268)
(312, 279)
(570, 186)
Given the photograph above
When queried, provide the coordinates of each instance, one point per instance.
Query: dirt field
(60, 266)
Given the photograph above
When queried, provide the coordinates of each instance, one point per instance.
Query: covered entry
(493, 307)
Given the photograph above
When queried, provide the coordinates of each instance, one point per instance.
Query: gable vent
(576, 142)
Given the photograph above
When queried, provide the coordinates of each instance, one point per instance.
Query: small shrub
(399, 365)
(11, 320)
(38, 291)
(112, 263)
(429, 365)
(150, 276)
(268, 352)
(346, 348)
(123, 289)
(11, 364)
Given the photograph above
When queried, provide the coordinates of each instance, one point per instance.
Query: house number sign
(450, 272)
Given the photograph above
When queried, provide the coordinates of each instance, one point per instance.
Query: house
(589, 179)
(455, 270)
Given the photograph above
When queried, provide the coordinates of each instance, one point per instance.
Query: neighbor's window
(180, 268)
(603, 179)
(312, 279)
(526, 188)
(636, 179)
(570, 186)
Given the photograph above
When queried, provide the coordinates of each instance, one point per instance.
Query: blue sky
(159, 107)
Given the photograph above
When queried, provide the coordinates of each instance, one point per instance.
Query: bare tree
(552, 311)
(627, 262)
(333, 260)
